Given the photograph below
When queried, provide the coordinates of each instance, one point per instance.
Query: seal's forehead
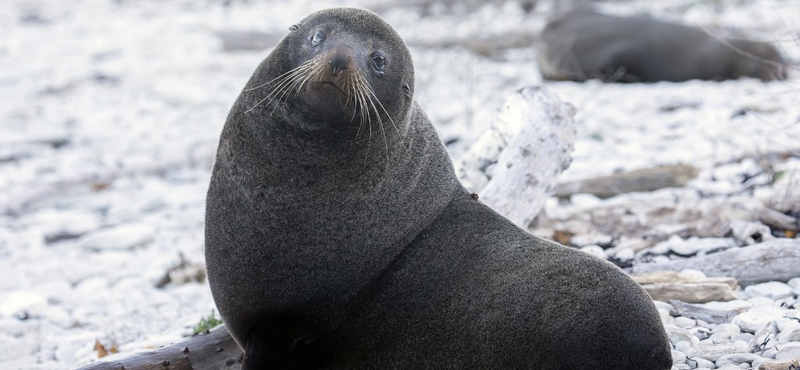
(353, 19)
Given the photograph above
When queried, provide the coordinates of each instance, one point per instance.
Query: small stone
(663, 305)
(685, 322)
(790, 335)
(594, 250)
(744, 337)
(710, 351)
(677, 335)
(761, 301)
(734, 305)
(681, 367)
(666, 318)
(678, 357)
(737, 358)
(787, 353)
(795, 284)
(120, 237)
(625, 254)
(769, 352)
(724, 331)
(729, 367)
(694, 245)
(21, 301)
(755, 319)
(770, 364)
(772, 290)
(703, 363)
(683, 346)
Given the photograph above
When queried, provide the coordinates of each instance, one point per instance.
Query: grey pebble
(678, 357)
(737, 358)
(703, 363)
(744, 337)
(683, 346)
(788, 352)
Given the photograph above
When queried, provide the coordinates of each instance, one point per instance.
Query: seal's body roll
(582, 44)
(338, 237)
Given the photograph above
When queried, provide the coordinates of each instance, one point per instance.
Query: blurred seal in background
(582, 44)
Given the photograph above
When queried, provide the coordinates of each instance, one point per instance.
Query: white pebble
(755, 319)
(761, 301)
(594, 250)
(685, 322)
(703, 363)
(678, 357)
(683, 346)
(120, 237)
(21, 301)
(772, 290)
(788, 351)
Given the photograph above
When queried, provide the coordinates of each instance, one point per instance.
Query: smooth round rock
(725, 331)
(737, 358)
(772, 290)
(790, 335)
(21, 301)
(788, 352)
(685, 322)
(677, 335)
(712, 352)
(703, 363)
(683, 346)
(678, 357)
(594, 250)
(755, 319)
(119, 237)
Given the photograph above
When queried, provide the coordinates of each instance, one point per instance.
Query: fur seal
(582, 44)
(338, 237)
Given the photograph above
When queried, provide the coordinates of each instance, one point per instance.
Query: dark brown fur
(328, 250)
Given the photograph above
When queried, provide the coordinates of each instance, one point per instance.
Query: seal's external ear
(294, 27)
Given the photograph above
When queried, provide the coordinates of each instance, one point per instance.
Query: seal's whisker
(402, 143)
(380, 121)
(292, 71)
(282, 84)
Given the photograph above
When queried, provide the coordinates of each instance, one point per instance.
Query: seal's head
(340, 68)
(756, 59)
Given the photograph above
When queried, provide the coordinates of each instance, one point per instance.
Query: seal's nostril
(338, 63)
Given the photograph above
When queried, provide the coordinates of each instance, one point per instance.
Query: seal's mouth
(331, 86)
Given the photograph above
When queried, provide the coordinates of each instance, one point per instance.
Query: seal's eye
(317, 38)
(379, 61)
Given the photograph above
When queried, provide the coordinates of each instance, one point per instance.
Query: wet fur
(325, 252)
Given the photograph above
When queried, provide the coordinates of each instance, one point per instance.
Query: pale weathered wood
(777, 259)
(514, 166)
(641, 180)
(215, 350)
(701, 313)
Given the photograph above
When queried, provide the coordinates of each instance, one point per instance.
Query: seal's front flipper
(277, 347)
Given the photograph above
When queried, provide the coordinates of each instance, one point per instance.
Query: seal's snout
(339, 62)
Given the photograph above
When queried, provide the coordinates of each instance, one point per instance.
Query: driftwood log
(641, 180)
(515, 165)
(213, 350)
(701, 313)
(672, 285)
(777, 259)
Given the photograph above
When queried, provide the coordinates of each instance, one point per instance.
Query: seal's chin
(328, 100)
